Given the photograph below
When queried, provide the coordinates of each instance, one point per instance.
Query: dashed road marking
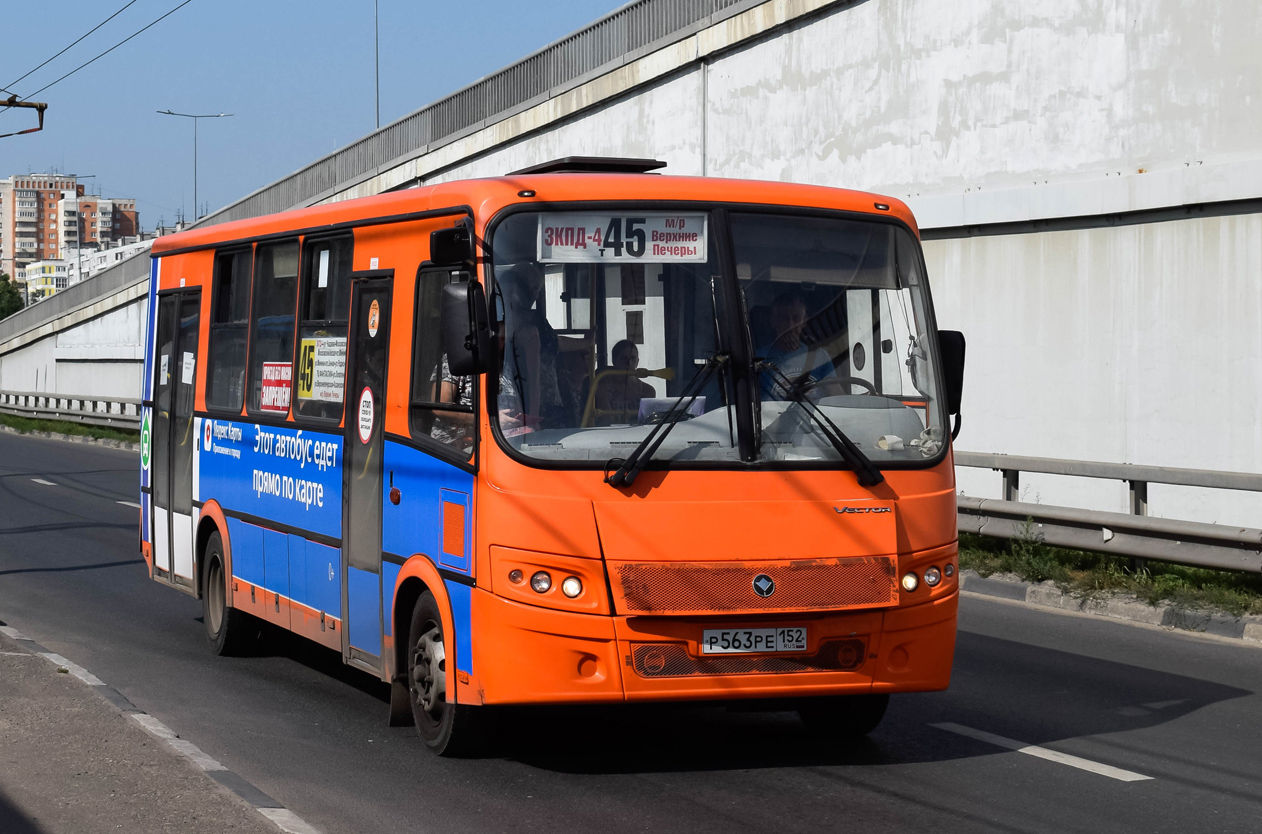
(1044, 753)
(129, 504)
(42, 481)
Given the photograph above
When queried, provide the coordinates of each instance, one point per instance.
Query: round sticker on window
(374, 319)
(365, 415)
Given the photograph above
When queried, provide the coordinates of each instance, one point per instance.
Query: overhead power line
(68, 48)
(108, 51)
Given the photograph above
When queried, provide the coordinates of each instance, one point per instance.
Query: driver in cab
(802, 364)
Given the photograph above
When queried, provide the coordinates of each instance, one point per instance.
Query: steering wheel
(870, 389)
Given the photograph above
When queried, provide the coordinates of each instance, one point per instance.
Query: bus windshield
(605, 317)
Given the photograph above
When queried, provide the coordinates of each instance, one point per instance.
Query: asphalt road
(1180, 709)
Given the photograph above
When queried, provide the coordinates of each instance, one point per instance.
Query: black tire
(230, 632)
(446, 728)
(844, 716)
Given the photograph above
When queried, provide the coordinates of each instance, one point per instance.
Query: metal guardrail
(1133, 534)
(98, 411)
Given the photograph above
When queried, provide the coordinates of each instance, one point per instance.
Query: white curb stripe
(287, 821)
(75, 669)
(12, 633)
(185, 748)
(42, 481)
(128, 504)
(1044, 753)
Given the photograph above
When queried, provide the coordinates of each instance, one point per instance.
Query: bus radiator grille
(726, 587)
(671, 660)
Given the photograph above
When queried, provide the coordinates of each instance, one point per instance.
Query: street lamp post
(195, 118)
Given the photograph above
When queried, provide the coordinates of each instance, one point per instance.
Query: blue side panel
(276, 562)
(246, 541)
(416, 524)
(146, 413)
(389, 576)
(460, 598)
(291, 475)
(298, 570)
(324, 579)
(363, 597)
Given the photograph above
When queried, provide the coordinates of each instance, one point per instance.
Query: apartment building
(47, 216)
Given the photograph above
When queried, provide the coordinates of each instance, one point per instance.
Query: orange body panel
(528, 648)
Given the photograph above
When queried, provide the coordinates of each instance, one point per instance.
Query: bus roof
(488, 196)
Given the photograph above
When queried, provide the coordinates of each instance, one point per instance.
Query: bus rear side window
(326, 300)
(272, 327)
(228, 329)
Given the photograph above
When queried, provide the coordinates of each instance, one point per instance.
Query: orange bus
(579, 434)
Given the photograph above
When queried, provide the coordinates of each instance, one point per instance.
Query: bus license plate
(753, 640)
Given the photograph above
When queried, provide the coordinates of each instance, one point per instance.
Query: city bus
(581, 434)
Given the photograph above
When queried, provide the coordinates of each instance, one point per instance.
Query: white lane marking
(187, 749)
(1044, 753)
(42, 481)
(128, 504)
(287, 821)
(75, 669)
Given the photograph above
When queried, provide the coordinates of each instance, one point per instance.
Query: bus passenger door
(362, 497)
(174, 387)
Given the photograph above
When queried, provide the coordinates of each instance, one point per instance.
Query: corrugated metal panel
(603, 44)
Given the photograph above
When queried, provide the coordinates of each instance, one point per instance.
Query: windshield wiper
(866, 471)
(634, 463)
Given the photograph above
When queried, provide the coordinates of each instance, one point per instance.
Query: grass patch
(1087, 575)
(27, 425)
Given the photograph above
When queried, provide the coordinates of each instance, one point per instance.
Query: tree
(10, 297)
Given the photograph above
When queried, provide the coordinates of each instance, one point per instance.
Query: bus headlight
(910, 581)
(572, 587)
(541, 582)
(932, 577)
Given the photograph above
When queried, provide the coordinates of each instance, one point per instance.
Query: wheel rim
(429, 674)
(214, 597)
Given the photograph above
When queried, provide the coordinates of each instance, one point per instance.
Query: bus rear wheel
(447, 728)
(844, 716)
(229, 631)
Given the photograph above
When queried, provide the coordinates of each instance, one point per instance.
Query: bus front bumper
(523, 654)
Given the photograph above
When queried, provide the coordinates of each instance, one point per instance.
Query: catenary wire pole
(195, 118)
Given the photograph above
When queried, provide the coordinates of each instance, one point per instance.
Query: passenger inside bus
(619, 389)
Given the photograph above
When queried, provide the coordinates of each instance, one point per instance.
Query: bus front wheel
(447, 728)
(229, 631)
(844, 716)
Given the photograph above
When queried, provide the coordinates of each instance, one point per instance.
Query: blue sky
(298, 77)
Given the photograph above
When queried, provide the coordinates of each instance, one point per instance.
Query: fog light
(932, 577)
(949, 570)
(516, 577)
(910, 582)
(541, 582)
(572, 587)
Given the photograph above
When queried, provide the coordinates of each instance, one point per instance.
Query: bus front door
(364, 446)
(175, 371)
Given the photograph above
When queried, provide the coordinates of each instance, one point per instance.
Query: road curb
(74, 438)
(1118, 607)
(239, 786)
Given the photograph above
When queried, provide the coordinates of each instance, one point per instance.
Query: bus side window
(229, 321)
(326, 299)
(441, 404)
(272, 327)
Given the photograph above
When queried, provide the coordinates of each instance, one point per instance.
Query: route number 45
(306, 369)
(633, 239)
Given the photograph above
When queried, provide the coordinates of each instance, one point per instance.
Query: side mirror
(466, 329)
(951, 347)
(451, 247)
